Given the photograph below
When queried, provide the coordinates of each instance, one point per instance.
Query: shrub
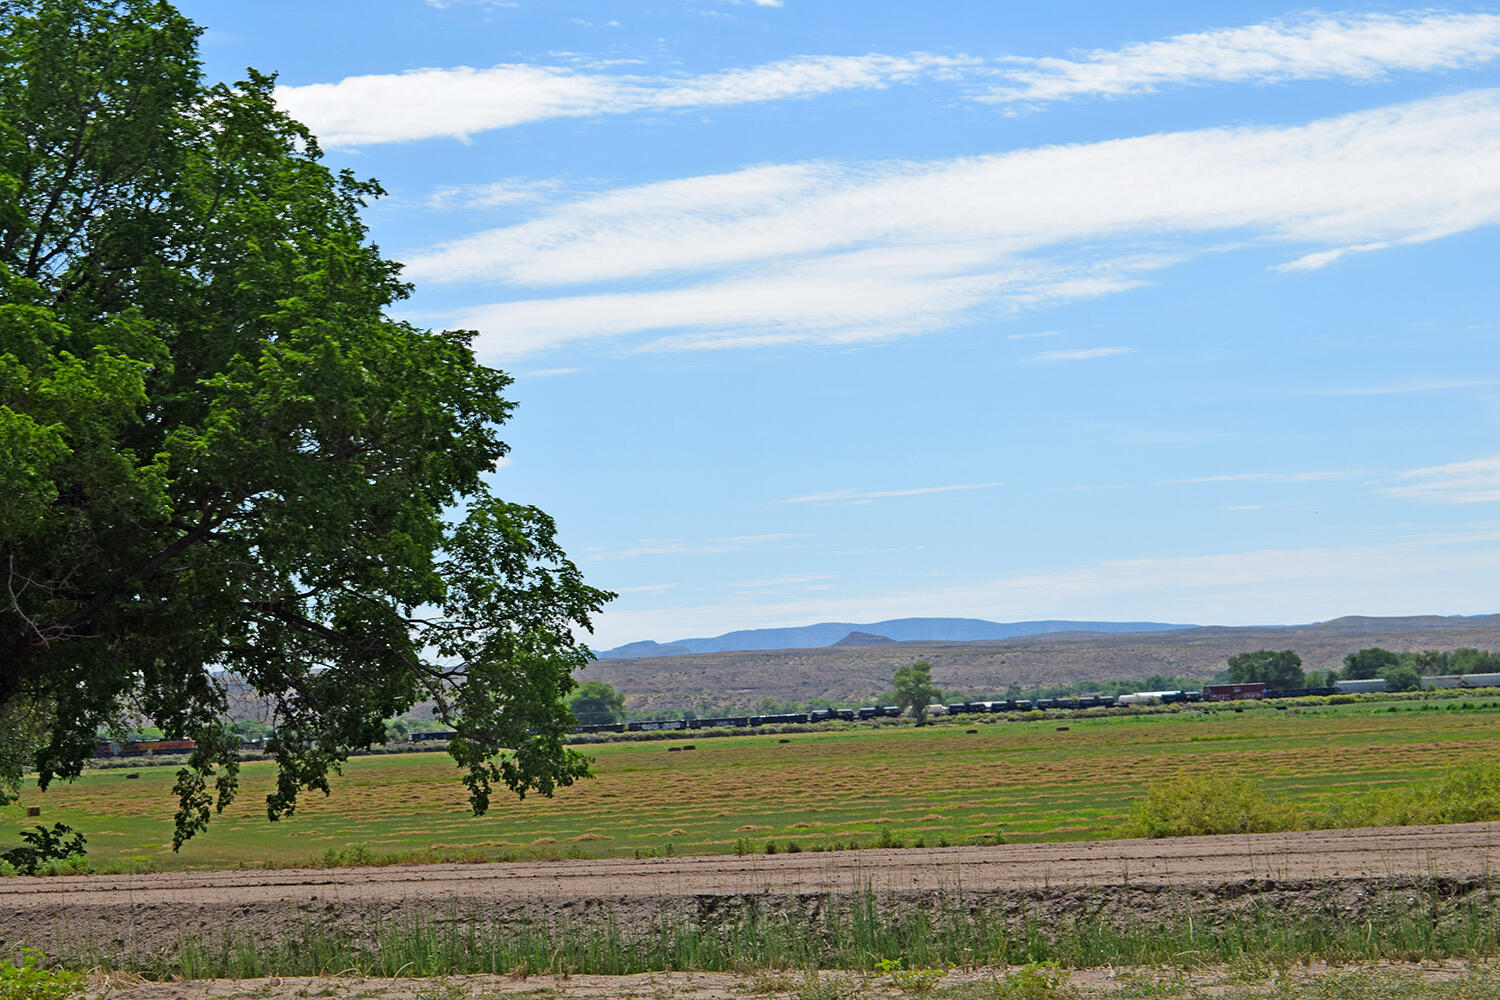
(43, 846)
(1401, 678)
(63, 866)
(355, 856)
(1034, 981)
(911, 982)
(1199, 805)
(1467, 791)
(29, 981)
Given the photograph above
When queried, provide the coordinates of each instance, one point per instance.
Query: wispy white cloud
(864, 496)
(789, 580)
(675, 547)
(1082, 354)
(832, 253)
(1033, 336)
(648, 588)
(549, 372)
(1476, 481)
(484, 4)
(1413, 169)
(1323, 476)
(1405, 387)
(463, 101)
(511, 191)
(1353, 47)
(1322, 258)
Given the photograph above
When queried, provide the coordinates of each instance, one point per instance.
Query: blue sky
(832, 310)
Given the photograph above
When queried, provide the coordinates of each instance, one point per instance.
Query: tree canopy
(1473, 661)
(596, 703)
(914, 689)
(223, 461)
(1274, 669)
(1401, 677)
(1367, 663)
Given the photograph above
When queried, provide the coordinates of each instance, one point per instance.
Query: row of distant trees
(1400, 671)
(1427, 663)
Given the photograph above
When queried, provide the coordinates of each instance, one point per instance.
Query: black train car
(738, 720)
(778, 720)
(1322, 692)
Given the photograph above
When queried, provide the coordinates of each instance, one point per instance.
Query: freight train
(141, 748)
(1210, 692)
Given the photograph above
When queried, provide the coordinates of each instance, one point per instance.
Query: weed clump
(911, 982)
(30, 981)
(1034, 981)
(1195, 806)
(1467, 791)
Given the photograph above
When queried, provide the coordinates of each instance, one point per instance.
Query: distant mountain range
(897, 630)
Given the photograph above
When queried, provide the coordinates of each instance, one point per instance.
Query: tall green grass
(1400, 922)
(1466, 791)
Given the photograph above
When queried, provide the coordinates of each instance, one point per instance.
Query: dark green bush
(44, 849)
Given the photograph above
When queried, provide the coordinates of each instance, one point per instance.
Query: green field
(1016, 780)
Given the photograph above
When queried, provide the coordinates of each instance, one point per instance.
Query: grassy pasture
(1020, 780)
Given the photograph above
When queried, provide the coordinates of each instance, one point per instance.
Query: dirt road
(153, 911)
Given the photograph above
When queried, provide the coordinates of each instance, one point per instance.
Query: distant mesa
(863, 639)
(645, 648)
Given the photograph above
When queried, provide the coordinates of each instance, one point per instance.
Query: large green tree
(222, 461)
(1426, 662)
(914, 689)
(1401, 677)
(596, 703)
(1274, 669)
(1367, 663)
(1474, 661)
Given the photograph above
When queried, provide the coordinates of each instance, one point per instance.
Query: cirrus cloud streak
(462, 101)
(1476, 481)
(835, 253)
(459, 102)
(1362, 48)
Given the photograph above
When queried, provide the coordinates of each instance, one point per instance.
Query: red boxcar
(1234, 692)
(157, 746)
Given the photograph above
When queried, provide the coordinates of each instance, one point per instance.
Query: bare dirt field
(150, 912)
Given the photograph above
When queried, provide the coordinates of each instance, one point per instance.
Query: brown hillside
(860, 673)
